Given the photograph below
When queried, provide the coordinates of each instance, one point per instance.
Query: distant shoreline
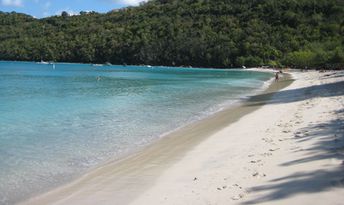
(255, 68)
(105, 65)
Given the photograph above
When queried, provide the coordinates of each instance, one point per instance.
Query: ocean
(59, 121)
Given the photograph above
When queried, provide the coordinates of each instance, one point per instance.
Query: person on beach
(276, 76)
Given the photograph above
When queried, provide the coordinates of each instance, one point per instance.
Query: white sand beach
(287, 150)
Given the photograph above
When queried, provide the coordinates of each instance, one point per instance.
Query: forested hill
(203, 33)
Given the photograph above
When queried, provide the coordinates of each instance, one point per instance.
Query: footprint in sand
(222, 187)
(239, 196)
(299, 134)
(266, 154)
(258, 175)
(267, 140)
(273, 149)
(255, 161)
(284, 139)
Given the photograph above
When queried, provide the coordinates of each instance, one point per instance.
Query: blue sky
(44, 8)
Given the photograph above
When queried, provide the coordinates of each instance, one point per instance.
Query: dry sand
(289, 150)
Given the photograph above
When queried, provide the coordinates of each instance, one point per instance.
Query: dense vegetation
(204, 33)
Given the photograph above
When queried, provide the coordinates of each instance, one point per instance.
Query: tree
(64, 14)
(199, 33)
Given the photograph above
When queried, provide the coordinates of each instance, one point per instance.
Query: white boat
(42, 62)
(97, 65)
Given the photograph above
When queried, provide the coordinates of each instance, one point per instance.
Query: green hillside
(202, 33)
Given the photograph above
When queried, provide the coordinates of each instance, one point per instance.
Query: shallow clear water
(57, 123)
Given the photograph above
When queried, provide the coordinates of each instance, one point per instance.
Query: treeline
(202, 33)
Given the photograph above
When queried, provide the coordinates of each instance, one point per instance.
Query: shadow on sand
(300, 94)
(330, 145)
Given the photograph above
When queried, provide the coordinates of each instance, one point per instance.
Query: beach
(283, 146)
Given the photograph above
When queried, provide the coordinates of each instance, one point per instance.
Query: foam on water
(56, 124)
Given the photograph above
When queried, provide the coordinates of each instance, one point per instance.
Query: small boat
(42, 62)
(97, 65)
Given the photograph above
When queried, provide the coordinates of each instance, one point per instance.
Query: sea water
(59, 120)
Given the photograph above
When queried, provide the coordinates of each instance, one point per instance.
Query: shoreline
(286, 148)
(159, 145)
(145, 66)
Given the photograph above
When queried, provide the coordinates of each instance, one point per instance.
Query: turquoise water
(56, 122)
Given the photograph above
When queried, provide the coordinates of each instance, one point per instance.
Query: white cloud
(16, 3)
(129, 2)
(68, 10)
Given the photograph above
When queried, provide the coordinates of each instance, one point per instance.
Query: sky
(45, 8)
